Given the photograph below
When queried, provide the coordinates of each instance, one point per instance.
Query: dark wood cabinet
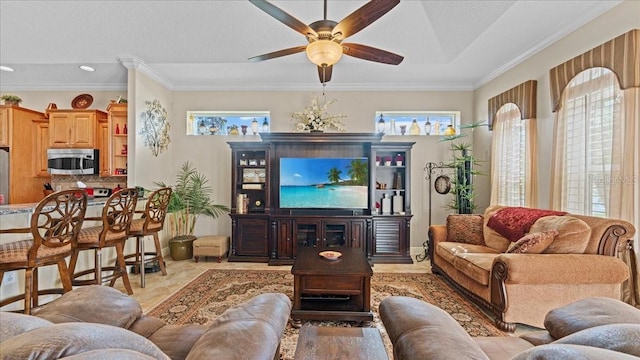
(294, 233)
(250, 238)
(264, 231)
(389, 243)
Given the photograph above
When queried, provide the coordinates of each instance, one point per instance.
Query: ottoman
(212, 245)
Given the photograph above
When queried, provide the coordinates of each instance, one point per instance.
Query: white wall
(615, 22)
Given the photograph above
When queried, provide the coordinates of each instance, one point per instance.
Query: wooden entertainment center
(263, 231)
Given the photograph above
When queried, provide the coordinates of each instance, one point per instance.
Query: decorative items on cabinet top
(415, 123)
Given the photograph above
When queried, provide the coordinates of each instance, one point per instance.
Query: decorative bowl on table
(330, 255)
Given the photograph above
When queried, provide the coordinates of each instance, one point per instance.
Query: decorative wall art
(155, 127)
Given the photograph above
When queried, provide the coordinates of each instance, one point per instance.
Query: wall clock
(442, 184)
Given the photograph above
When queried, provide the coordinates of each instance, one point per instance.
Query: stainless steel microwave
(73, 161)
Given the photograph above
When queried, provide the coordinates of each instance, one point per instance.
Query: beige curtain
(513, 159)
(629, 191)
(620, 183)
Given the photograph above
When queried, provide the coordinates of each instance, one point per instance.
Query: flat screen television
(324, 183)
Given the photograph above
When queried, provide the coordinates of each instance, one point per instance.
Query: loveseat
(101, 322)
(520, 263)
(591, 328)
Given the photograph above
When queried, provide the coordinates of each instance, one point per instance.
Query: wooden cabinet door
(83, 126)
(4, 127)
(357, 234)
(41, 134)
(252, 236)
(59, 130)
(72, 130)
(335, 233)
(285, 239)
(103, 146)
(387, 235)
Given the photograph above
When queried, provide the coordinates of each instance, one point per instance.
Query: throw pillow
(465, 229)
(533, 243)
(574, 234)
(492, 238)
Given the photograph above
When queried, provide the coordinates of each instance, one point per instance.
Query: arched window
(588, 128)
(511, 165)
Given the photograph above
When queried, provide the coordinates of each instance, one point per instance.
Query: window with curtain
(509, 163)
(587, 131)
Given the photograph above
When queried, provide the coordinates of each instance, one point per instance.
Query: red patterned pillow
(465, 229)
(533, 243)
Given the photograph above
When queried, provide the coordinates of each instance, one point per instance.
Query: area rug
(211, 293)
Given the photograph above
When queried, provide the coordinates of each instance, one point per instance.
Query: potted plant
(463, 162)
(399, 160)
(190, 198)
(11, 99)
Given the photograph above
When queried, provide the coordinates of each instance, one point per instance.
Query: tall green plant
(191, 197)
(464, 163)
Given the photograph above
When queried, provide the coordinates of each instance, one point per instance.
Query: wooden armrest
(15, 231)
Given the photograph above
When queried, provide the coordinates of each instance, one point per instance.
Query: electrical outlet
(9, 277)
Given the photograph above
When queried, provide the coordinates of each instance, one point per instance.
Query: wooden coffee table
(335, 343)
(331, 289)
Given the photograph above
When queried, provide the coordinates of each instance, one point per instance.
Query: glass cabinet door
(306, 234)
(335, 234)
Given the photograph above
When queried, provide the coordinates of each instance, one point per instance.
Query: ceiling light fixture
(6, 68)
(87, 68)
(324, 52)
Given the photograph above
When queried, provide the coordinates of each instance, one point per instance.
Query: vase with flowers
(315, 118)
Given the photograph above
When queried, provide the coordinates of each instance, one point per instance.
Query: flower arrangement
(315, 118)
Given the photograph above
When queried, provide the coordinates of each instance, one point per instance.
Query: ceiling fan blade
(283, 17)
(363, 17)
(370, 53)
(279, 53)
(325, 73)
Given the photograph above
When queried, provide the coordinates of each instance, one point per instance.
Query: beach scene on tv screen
(324, 183)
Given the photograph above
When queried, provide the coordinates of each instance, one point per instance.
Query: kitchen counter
(28, 208)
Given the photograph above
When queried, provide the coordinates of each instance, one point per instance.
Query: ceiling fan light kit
(325, 36)
(324, 52)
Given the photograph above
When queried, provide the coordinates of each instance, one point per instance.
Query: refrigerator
(4, 175)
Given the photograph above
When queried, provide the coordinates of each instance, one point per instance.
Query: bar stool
(151, 223)
(116, 218)
(55, 224)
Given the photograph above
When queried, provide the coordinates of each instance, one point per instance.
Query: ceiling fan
(325, 36)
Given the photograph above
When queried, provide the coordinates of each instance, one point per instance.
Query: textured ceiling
(204, 45)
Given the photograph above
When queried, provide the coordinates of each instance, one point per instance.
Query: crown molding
(139, 65)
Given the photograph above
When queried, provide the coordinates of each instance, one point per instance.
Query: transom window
(416, 122)
(228, 122)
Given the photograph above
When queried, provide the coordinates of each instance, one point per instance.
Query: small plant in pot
(191, 197)
(11, 99)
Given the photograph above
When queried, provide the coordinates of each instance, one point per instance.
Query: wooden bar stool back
(55, 225)
(116, 218)
(151, 223)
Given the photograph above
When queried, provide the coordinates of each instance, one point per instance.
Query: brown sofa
(101, 322)
(591, 328)
(565, 257)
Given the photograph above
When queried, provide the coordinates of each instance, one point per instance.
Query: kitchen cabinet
(74, 128)
(22, 134)
(41, 140)
(102, 144)
(118, 137)
(4, 127)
